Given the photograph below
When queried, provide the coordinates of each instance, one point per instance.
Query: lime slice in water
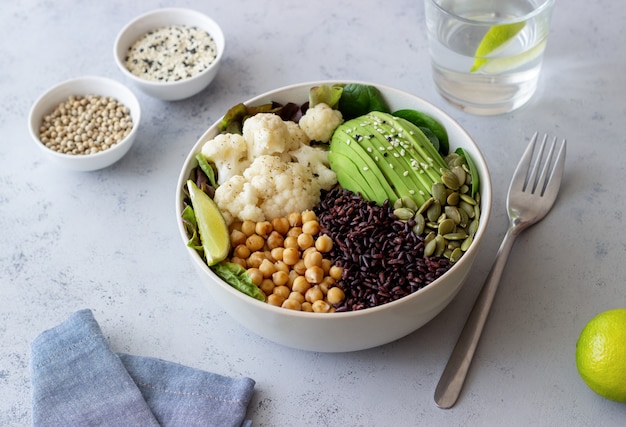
(211, 225)
(494, 39)
(500, 65)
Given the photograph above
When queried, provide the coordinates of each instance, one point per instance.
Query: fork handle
(453, 376)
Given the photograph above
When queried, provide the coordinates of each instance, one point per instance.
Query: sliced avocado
(346, 144)
(395, 167)
(349, 176)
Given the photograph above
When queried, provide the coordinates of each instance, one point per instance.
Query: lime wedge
(499, 65)
(494, 39)
(211, 225)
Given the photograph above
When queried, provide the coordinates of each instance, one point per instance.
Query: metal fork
(531, 195)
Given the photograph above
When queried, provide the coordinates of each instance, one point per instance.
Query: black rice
(382, 259)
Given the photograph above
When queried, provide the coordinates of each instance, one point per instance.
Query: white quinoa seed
(85, 125)
(171, 53)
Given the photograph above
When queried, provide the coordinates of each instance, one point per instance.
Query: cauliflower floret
(265, 133)
(320, 121)
(229, 153)
(268, 189)
(286, 187)
(317, 160)
(297, 136)
(238, 198)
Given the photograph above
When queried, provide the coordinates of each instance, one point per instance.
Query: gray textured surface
(108, 240)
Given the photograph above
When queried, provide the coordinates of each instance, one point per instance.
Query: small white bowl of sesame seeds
(171, 53)
(86, 123)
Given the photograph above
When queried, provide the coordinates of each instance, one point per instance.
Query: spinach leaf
(358, 99)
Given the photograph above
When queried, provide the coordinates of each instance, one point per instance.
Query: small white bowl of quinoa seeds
(85, 124)
(171, 53)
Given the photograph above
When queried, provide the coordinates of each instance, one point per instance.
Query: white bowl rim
(218, 37)
(134, 109)
(485, 208)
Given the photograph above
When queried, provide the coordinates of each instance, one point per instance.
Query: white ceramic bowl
(90, 85)
(169, 91)
(356, 330)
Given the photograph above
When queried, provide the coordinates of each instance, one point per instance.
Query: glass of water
(486, 54)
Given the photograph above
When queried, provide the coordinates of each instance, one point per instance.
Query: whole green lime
(601, 354)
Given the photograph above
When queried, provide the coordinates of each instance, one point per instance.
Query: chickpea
(291, 304)
(291, 256)
(293, 276)
(255, 276)
(277, 253)
(324, 287)
(335, 295)
(248, 227)
(314, 274)
(335, 272)
(300, 284)
(311, 227)
(263, 228)
(267, 268)
(306, 306)
(295, 219)
(305, 241)
(308, 216)
(294, 231)
(326, 265)
(281, 266)
(276, 300)
(235, 225)
(254, 242)
(297, 296)
(290, 242)
(320, 306)
(280, 278)
(237, 237)
(282, 291)
(275, 240)
(299, 267)
(255, 259)
(267, 286)
(281, 225)
(239, 261)
(241, 251)
(314, 294)
(312, 258)
(324, 243)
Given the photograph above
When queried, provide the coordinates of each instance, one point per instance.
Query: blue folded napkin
(77, 380)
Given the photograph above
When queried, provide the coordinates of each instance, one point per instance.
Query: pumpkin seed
(397, 204)
(472, 228)
(464, 218)
(426, 205)
(460, 174)
(403, 214)
(446, 226)
(455, 236)
(466, 243)
(453, 213)
(441, 245)
(468, 199)
(456, 255)
(409, 203)
(430, 247)
(433, 211)
(469, 209)
(420, 224)
(450, 179)
(453, 198)
(439, 192)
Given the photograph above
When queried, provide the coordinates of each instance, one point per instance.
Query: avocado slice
(345, 148)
